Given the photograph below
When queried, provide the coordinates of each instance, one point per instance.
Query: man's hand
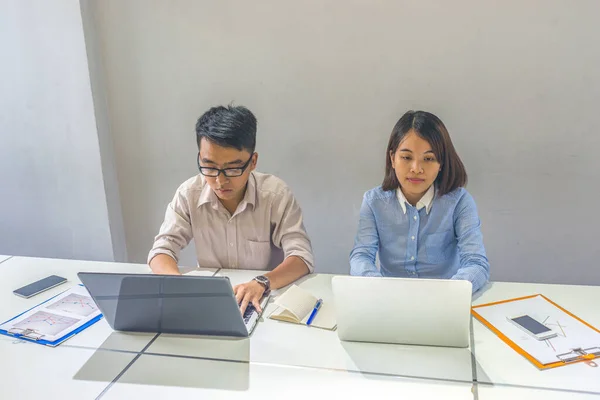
(249, 292)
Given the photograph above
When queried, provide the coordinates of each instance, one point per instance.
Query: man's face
(228, 189)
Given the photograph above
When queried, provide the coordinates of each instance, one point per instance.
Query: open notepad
(296, 305)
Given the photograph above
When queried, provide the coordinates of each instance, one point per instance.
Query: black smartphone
(34, 288)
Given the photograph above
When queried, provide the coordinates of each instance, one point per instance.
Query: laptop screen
(165, 303)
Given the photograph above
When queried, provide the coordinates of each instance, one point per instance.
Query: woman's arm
(366, 244)
(474, 265)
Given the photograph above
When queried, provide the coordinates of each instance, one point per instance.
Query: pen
(314, 311)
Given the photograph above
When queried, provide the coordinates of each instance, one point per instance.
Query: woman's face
(415, 165)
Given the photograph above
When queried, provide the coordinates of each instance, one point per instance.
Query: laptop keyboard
(248, 313)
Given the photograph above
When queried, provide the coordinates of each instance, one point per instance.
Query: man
(238, 218)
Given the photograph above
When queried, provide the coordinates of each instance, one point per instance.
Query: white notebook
(296, 305)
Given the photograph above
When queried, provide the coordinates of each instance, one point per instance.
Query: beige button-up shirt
(265, 229)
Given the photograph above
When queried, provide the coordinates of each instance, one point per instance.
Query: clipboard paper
(55, 320)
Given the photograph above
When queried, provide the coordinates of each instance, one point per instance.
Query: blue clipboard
(56, 342)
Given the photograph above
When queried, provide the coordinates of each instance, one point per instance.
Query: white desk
(161, 377)
(486, 392)
(281, 343)
(279, 358)
(3, 258)
(31, 371)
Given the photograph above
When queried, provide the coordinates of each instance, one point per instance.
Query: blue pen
(313, 314)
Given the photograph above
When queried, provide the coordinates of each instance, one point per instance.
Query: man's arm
(290, 270)
(175, 233)
(163, 264)
(290, 235)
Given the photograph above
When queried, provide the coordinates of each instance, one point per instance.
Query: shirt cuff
(154, 252)
(308, 260)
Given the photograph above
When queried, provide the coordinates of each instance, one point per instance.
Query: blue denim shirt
(446, 243)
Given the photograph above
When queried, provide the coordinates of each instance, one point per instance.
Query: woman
(421, 220)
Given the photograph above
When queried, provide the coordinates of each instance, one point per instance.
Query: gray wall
(517, 83)
(53, 200)
(105, 142)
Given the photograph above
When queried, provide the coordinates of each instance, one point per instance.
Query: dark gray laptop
(179, 304)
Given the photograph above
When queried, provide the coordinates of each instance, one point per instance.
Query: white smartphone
(532, 327)
(36, 287)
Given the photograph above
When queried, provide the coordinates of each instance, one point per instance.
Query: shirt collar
(208, 195)
(426, 201)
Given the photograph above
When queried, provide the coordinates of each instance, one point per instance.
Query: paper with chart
(56, 317)
(570, 332)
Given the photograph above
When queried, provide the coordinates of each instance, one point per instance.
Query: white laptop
(433, 312)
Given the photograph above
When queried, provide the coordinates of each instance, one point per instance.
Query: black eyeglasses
(228, 172)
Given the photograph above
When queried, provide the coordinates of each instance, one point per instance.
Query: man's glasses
(228, 172)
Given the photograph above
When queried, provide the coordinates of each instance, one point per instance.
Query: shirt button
(412, 258)
(231, 244)
(415, 217)
(412, 237)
